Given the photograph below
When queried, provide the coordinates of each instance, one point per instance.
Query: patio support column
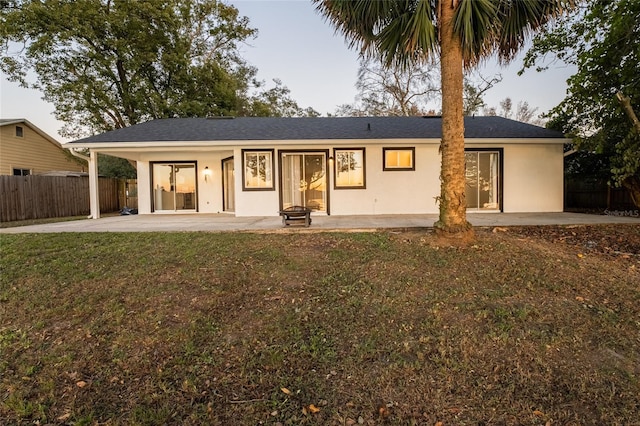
(93, 186)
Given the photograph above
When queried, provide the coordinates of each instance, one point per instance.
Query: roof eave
(516, 141)
(34, 128)
(271, 142)
(239, 143)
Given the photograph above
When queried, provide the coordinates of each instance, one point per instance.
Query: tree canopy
(601, 40)
(107, 64)
(411, 89)
(393, 90)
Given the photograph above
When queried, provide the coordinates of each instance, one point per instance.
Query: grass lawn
(17, 223)
(531, 326)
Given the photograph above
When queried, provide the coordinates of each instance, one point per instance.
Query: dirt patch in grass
(528, 326)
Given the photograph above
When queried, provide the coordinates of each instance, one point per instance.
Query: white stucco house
(255, 166)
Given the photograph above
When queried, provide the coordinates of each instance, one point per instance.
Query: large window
(398, 158)
(349, 168)
(257, 170)
(482, 179)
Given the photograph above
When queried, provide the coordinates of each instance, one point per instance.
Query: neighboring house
(340, 166)
(27, 150)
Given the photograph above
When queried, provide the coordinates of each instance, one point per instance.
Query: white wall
(256, 203)
(393, 192)
(209, 191)
(144, 187)
(533, 178)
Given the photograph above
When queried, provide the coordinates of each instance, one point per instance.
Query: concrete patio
(224, 222)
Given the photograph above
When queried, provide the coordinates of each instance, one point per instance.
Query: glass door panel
(228, 185)
(163, 187)
(304, 180)
(481, 178)
(185, 186)
(174, 187)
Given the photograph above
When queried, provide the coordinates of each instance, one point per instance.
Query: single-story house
(256, 166)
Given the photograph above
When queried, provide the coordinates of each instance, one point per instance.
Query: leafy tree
(276, 102)
(393, 90)
(115, 167)
(461, 33)
(474, 89)
(601, 40)
(523, 113)
(107, 64)
(414, 89)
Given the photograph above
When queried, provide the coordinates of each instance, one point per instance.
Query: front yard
(528, 326)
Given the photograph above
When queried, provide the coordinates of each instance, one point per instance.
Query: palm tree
(461, 33)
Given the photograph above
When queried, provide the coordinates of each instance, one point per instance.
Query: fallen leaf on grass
(285, 391)
(311, 409)
(64, 417)
(383, 411)
(81, 384)
(538, 413)
(580, 255)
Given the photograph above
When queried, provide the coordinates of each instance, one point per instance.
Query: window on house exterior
(257, 170)
(19, 131)
(21, 172)
(398, 158)
(349, 168)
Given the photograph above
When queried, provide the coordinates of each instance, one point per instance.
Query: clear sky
(297, 46)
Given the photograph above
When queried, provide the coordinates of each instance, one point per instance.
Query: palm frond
(520, 18)
(474, 23)
(404, 31)
(398, 31)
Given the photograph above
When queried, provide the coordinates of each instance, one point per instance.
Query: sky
(297, 46)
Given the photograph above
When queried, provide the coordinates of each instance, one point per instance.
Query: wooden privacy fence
(38, 197)
(589, 193)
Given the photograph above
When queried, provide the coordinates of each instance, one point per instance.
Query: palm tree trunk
(453, 214)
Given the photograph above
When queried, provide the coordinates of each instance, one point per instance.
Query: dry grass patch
(371, 328)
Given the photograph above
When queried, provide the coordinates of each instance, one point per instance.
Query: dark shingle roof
(275, 128)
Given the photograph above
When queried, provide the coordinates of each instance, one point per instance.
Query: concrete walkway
(223, 222)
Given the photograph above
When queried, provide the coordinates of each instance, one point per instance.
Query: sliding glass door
(482, 180)
(304, 180)
(174, 187)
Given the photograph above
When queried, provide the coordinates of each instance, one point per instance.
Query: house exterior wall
(32, 152)
(144, 187)
(393, 192)
(209, 190)
(532, 179)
